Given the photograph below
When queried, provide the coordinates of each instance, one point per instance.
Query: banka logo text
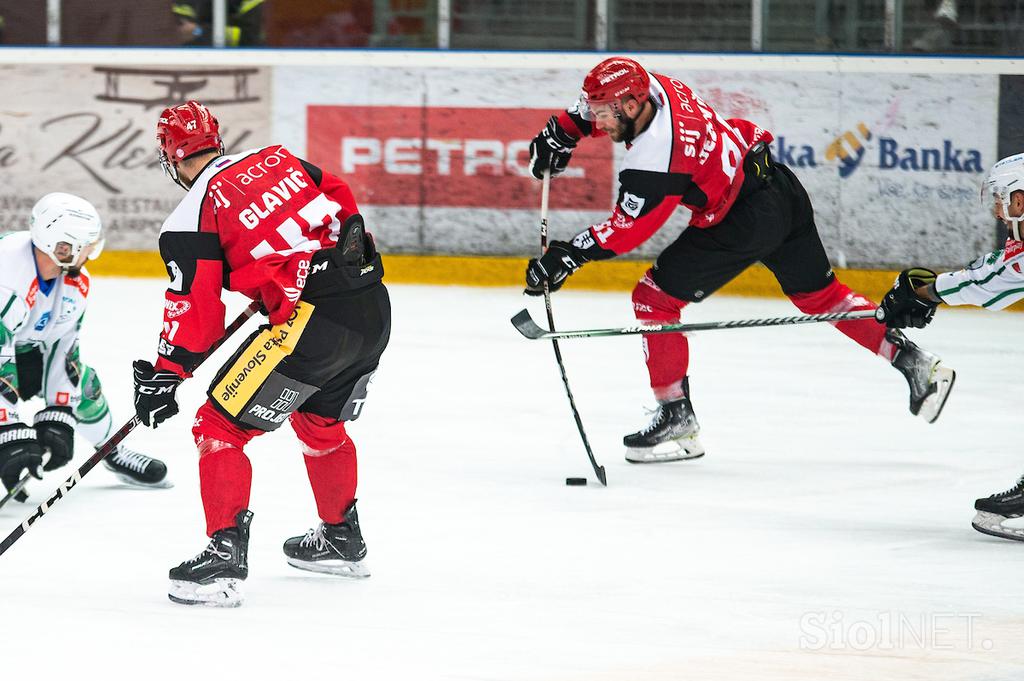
(850, 149)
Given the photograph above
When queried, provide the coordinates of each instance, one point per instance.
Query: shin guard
(667, 355)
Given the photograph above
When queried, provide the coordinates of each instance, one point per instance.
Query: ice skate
(136, 469)
(929, 381)
(671, 435)
(215, 576)
(331, 549)
(994, 511)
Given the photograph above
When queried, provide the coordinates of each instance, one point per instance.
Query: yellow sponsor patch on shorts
(248, 372)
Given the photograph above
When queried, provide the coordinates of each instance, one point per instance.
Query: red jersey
(687, 155)
(250, 223)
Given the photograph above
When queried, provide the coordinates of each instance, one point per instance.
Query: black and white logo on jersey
(583, 240)
(632, 204)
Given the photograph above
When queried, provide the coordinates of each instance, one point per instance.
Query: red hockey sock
(837, 297)
(667, 355)
(225, 477)
(332, 475)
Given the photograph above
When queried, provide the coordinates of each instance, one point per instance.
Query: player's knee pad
(650, 303)
(211, 424)
(836, 297)
(93, 406)
(320, 435)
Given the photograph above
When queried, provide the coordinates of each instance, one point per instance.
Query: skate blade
(132, 482)
(341, 568)
(931, 408)
(674, 450)
(993, 524)
(220, 593)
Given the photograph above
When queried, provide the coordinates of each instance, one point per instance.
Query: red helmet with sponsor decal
(183, 131)
(610, 82)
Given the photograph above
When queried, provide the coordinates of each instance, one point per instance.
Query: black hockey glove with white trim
(20, 451)
(902, 306)
(154, 393)
(551, 150)
(55, 429)
(554, 267)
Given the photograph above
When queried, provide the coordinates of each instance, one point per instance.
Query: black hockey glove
(902, 306)
(154, 393)
(551, 150)
(554, 267)
(55, 429)
(20, 451)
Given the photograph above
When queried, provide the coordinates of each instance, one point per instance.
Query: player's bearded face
(615, 122)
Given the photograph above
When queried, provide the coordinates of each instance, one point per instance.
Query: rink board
(435, 144)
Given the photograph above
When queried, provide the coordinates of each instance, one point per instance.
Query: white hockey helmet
(1005, 178)
(64, 227)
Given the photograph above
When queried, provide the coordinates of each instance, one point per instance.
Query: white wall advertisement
(91, 130)
(893, 162)
(435, 147)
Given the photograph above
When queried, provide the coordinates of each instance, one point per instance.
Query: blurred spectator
(244, 25)
(939, 36)
(320, 23)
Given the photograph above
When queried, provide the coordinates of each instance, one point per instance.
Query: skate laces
(315, 537)
(135, 461)
(1016, 489)
(212, 548)
(659, 415)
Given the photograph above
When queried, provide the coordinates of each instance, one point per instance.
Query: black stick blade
(525, 325)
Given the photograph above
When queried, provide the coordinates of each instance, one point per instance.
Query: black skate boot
(333, 549)
(215, 576)
(137, 469)
(671, 435)
(929, 381)
(995, 510)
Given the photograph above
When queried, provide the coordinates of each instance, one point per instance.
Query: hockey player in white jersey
(43, 292)
(993, 281)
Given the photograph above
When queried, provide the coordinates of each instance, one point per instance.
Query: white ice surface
(826, 534)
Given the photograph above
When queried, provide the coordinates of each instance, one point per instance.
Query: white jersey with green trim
(46, 316)
(993, 281)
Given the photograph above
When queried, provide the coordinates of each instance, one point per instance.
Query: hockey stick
(20, 485)
(110, 445)
(530, 329)
(545, 192)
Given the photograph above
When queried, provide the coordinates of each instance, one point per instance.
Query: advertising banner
(91, 130)
(893, 161)
(435, 145)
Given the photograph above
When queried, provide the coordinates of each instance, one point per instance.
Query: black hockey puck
(576, 482)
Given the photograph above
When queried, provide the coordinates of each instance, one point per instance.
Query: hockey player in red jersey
(283, 232)
(745, 207)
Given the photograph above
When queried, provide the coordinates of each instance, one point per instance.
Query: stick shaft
(598, 469)
(526, 326)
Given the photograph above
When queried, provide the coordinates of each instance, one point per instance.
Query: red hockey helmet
(183, 131)
(610, 82)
